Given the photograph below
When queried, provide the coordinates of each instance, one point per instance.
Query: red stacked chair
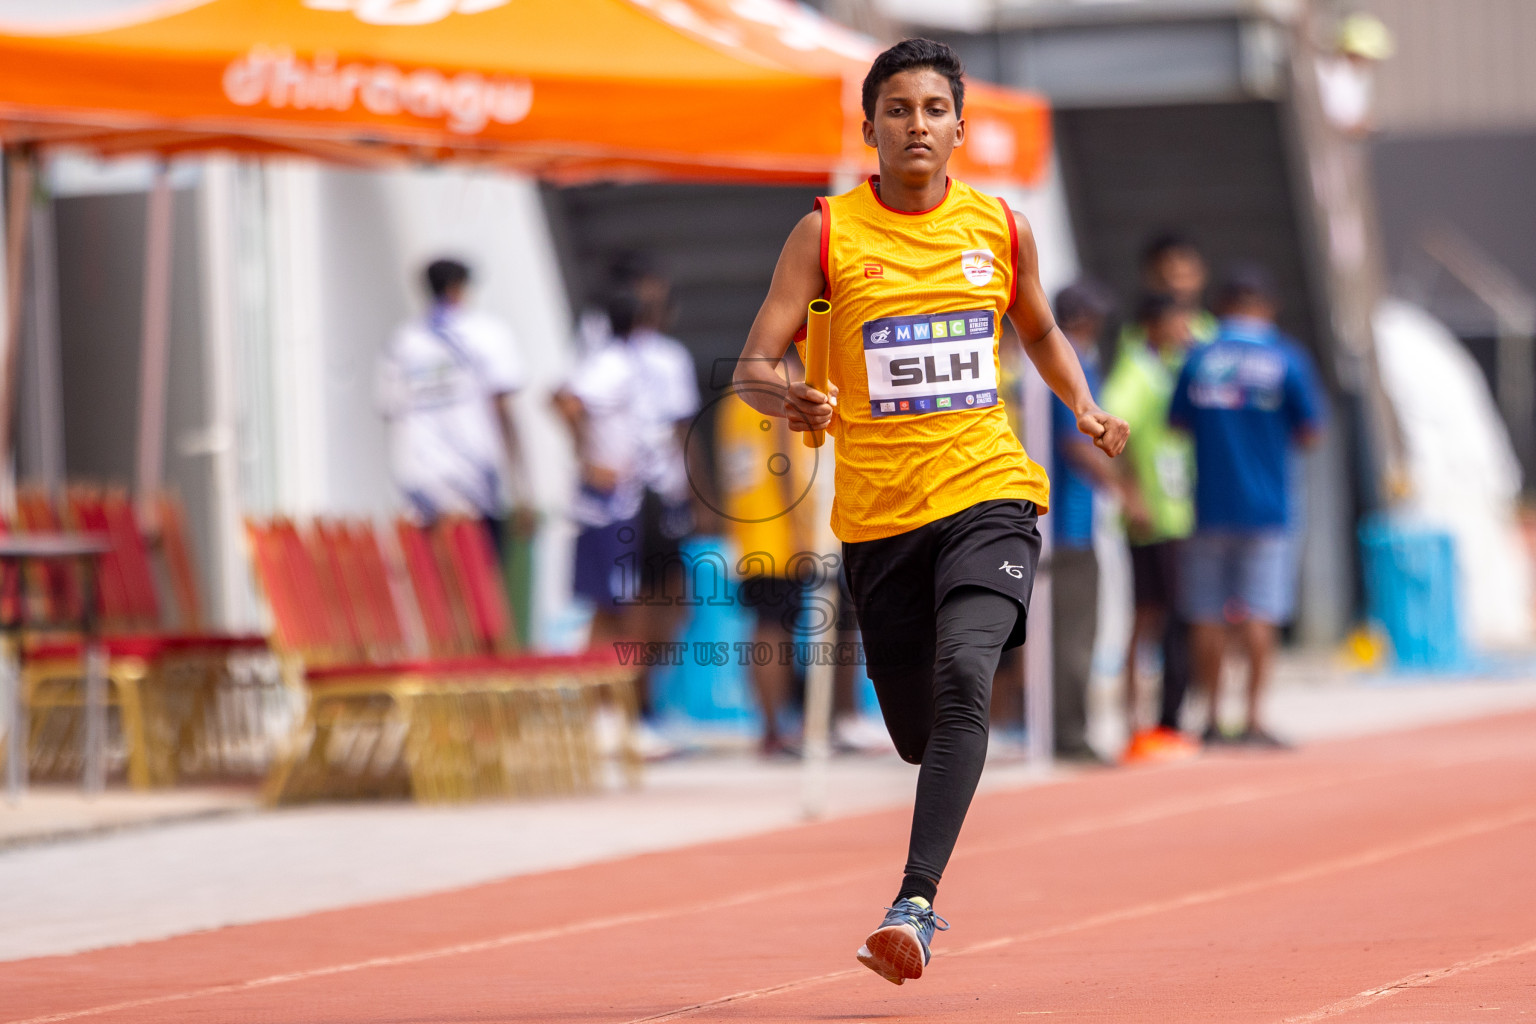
(470, 706)
(473, 560)
(56, 582)
(448, 635)
(179, 565)
(161, 682)
(362, 581)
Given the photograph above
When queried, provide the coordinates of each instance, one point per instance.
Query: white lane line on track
(1416, 980)
(1233, 796)
(438, 953)
(1366, 858)
(748, 996)
(1228, 797)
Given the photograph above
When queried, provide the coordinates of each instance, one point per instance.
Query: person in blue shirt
(1077, 470)
(1247, 400)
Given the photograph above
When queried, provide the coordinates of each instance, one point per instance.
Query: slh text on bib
(939, 362)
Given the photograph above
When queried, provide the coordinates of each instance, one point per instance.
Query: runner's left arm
(1053, 355)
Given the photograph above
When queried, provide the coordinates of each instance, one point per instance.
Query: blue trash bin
(1411, 591)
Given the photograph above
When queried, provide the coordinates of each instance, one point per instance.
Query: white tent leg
(44, 431)
(154, 344)
(816, 739)
(18, 200)
(233, 607)
(1039, 666)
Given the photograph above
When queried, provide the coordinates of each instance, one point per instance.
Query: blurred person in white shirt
(629, 404)
(445, 386)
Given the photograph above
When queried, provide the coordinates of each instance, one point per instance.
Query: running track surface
(1385, 879)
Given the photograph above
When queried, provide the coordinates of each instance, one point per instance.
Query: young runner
(935, 498)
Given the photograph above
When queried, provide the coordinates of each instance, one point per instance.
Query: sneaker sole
(879, 967)
(897, 951)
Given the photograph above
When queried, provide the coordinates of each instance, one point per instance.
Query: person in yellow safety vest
(768, 509)
(1158, 478)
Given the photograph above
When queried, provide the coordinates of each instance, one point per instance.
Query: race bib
(941, 362)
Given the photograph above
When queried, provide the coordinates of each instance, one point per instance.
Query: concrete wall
(345, 254)
(98, 268)
(348, 248)
(1480, 184)
(287, 283)
(1461, 66)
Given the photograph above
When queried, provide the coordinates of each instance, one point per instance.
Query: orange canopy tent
(756, 90)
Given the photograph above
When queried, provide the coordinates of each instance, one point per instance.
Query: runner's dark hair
(914, 55)
(444, 275)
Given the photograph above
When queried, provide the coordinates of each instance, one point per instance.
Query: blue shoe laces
(922, 920)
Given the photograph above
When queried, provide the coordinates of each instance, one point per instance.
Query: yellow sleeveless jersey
(917, 306)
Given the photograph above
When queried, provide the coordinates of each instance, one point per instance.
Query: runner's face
(915, 127)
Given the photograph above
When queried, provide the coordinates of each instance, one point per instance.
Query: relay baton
(818, 330)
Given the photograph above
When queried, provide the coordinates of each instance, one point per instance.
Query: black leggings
(937, 715)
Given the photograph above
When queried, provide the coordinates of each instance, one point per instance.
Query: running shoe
(1141, 748)
(777, 748)
(1254, 736)
(1082, 754)
(1214, 736)
(898, 949)
(1158, 746)
(1173, 745)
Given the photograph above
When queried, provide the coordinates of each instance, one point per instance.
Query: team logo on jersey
(976, 264)
(874, 270)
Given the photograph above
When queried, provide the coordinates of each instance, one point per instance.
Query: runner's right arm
(797, 280)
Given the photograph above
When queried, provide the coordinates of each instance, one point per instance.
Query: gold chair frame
(450, 738)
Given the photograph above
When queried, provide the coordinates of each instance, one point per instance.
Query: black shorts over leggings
(937, 606)
(898, 582)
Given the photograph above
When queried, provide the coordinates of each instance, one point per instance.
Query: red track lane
(1386, 879)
